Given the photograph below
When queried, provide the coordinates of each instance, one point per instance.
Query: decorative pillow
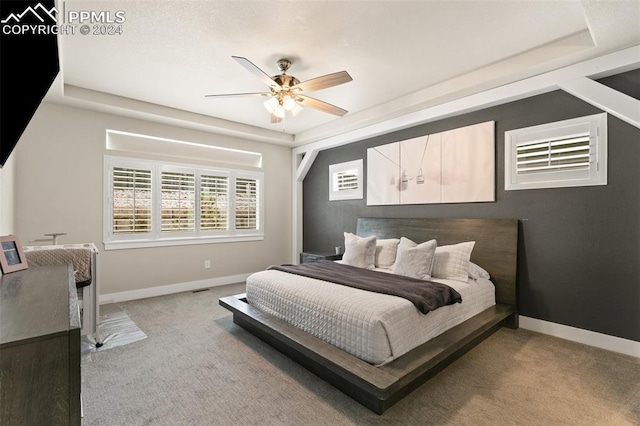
(386, 252)
(415, 260)
(476, 272)
(452, 262)
(360, 252)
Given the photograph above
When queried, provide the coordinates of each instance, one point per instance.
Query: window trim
(596, 174)
(350, 194)
(157, 238)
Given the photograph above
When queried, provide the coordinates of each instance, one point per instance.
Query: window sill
(168, 242)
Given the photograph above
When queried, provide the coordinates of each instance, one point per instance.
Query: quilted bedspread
(374, 327)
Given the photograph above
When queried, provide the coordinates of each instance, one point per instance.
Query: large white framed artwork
(456, 166)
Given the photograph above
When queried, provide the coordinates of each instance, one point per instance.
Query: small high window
(561, 154)
(345, 180)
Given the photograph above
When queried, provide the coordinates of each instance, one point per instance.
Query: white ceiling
(402, 55)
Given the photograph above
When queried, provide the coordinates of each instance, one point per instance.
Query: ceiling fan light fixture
(288, 103)
(271, 104)
(279, 111)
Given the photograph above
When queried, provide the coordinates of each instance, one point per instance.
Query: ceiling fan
(287, 93)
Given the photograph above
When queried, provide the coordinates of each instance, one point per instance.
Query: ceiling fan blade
(263, 76)
(321, 105)
(324, 81)
(237, 95)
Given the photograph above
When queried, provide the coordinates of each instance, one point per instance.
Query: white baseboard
(163, 290)
(591, 338)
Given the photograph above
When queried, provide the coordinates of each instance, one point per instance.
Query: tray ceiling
(402, 55)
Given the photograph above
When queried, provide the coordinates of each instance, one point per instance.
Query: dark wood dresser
(39, 347)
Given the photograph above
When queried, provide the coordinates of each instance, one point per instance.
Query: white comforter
(371, 326)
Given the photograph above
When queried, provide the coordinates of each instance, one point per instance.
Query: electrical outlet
(207, 264)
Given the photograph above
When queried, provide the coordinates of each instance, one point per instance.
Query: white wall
(7, 196)
(59, 188)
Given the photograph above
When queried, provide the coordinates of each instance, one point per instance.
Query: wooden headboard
(495, 250)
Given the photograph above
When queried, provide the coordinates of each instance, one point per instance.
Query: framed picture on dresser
(11, 255)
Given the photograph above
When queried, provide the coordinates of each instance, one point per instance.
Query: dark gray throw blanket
(425, 295)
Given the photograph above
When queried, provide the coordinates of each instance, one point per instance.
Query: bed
(377, 380)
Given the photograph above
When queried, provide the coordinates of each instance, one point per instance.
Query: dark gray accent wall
(579, 249)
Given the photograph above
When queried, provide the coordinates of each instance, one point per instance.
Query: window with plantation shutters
(214, 203)
(152, 203)
(561, 154)
(345, 180)
(132, 196)
(246, 197)
(178, 202)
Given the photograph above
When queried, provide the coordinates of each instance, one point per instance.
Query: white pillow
(386, 252)
(476, 272)
(360, 252)
(452, 262)
(415, 260)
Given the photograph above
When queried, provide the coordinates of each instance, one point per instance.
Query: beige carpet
(198, 368)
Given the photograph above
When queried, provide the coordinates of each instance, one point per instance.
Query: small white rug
(115, 328)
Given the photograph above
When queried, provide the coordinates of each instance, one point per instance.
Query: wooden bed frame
(378, 388)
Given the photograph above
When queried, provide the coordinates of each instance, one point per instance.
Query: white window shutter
(561, 154)
(131, 201)
(246, 196)
(214, 202)
(178, 193)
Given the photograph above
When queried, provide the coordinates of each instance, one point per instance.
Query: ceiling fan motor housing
(285, 81)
